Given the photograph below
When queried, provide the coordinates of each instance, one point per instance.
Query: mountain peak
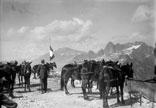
(110, 48)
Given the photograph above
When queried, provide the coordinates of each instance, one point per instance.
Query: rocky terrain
(56, 98)
(137, 52)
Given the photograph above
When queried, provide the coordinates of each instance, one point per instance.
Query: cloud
(23, 29)
(136, 36)
(142, 13)
(20, 8)
(72, 30)
(10, 32)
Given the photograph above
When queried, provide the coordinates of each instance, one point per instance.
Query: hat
(42, 61)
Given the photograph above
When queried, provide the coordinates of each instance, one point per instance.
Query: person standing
(43, 75)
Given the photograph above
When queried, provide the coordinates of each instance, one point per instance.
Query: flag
(51, 53)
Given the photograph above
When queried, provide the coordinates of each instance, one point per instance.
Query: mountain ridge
(137, 52)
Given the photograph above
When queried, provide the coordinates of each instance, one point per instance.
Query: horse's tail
(62, 79)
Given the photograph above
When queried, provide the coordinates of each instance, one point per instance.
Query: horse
(114, 76)
(89, 72)
(19, 74)
(50, 66)
(26, 72)
(66, 73)
(8, 71)
(76, 74)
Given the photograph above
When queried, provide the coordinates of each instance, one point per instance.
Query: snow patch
(133, 47)
(128, 51)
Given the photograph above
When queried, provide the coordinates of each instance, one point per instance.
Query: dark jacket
(42, 71)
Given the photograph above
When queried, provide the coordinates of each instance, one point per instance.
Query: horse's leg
(90, 86)
(19, 79)
(34, 75)
(117, 88)
(101, 93)
(111, 91)
(97, 85)
(13, 80)
(72, 82)
(25, 83)
(65, 85)
(29, 83)
(130, 98)
(66, 78)
(9, 86)
(105, 92)
(121, 90)
(84, 85)
(22, 80)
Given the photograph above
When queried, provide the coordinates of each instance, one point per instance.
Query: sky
(28, 27)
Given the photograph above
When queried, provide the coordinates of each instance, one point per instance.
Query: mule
(26, 72)
(19, 75)
(8, 71)
(113, 76)
(66, 73)
(89, 72)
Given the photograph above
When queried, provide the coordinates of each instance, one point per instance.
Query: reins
(148, 81)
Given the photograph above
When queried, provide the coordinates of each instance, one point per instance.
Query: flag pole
(49, 46)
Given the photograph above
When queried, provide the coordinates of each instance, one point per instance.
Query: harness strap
(111, 80)
(87, 73)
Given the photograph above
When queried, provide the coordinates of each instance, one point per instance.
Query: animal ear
(116, 62)
(8, 63)
(131, 64)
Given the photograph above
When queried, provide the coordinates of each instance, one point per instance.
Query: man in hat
(155, 59)
(43, 75)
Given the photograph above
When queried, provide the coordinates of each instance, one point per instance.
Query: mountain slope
(62, 57)
(137, 52)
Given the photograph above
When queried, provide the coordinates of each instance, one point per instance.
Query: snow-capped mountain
(137, 52)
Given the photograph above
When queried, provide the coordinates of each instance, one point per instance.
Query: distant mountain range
(137, 52)
(62, 57)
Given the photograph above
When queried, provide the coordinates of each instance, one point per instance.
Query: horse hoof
(118, 101)
(86, 98)
(123, 102)
(67, 93)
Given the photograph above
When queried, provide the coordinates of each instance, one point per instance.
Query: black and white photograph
(77, 54)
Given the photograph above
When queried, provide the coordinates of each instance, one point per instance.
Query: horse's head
(128, 70)
(85, 63)
(51, 65)
(12, 65)
(27, 67)
(103, 62)
(99, 67)
(54, 64)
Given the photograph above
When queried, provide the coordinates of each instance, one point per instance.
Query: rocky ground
(56, 98)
